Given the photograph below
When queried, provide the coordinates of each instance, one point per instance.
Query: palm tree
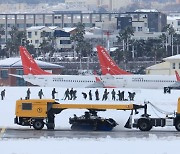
(123, 39)
(78, 38)
(169, 31)
(12, 45)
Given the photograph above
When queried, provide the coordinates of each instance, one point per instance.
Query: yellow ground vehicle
(37, 112)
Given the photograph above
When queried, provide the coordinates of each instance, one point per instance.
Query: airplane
(36, 76)
(115, 77)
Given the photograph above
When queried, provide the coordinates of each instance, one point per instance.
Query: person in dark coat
(90, 95)
(131, 95)
(122, 96)
(74, 94)
(119, 95)
(28, 93)
(3, 94)
(97, 94)
(66, 94)
(53, 93)
(71, 93)
(113, 95)
(40, 94)
(105, 95)
(84, 95)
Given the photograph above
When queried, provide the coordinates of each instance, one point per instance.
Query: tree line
(153, 49)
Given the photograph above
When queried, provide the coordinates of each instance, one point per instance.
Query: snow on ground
(149, 145)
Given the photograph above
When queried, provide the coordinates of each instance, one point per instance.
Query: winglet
(107, 64)
(177, 76)
(29, 64)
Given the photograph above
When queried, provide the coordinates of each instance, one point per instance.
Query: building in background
(58, 36)
(168, 67)
(14, 66)
(143, 20)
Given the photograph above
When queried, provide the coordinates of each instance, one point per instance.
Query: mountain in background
(31, 1)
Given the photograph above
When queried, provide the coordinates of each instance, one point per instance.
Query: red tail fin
(29, 64)
(177, 76)
(108, 66)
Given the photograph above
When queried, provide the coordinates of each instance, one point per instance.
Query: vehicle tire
(177, 125)
(38, 124)
(144, 125)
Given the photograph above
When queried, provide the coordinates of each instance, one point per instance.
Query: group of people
(40, 93)
(71, 95)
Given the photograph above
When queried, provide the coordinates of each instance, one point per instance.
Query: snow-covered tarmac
(108, 145)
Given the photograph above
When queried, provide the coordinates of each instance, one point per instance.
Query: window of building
(134, 29)
(57, 24)
(48, 24)
(10, 25)
(39, 24)
(29, 34)
(65, 42)
(45, 34)
(2, 25)
(179, 65)
(20, 25)
(29, 25)
(178, 22)
(4, 74)
(135, 16)
(36, 41)
(139, 29)
(35, 33)
(20, 81)
(173, 65)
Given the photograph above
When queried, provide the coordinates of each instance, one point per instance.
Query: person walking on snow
(53, 93)
(105, 95)
(66, 94)
(90, 95)
(40, 94)
(2, 94)
(97, 94)
(28, 94)
(113, 95)
(71, 93)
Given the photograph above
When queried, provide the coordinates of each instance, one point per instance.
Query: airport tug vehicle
(146, 123)
(40, 112)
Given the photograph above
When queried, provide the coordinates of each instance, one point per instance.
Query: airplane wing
(97, 84)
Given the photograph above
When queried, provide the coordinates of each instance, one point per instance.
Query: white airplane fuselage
(139, 81)
(67, 81)
(116, 81)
